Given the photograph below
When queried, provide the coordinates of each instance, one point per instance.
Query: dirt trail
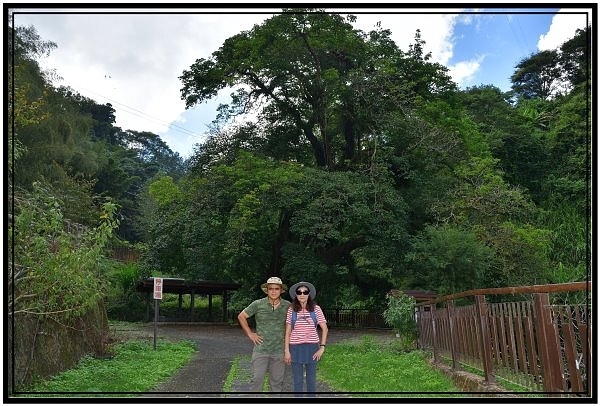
(218, 345)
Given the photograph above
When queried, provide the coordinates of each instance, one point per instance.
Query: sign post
(158, 290)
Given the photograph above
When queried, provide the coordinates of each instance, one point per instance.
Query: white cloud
(563, 27)
(133, 61)
(436, 29)
(463, 72)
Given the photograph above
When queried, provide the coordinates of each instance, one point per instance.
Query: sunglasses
(302, 292)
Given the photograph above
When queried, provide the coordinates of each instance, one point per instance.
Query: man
(269, 313)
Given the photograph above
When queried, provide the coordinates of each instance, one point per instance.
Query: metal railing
(532, 343)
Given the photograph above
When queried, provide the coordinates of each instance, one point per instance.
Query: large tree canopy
(365, 167)
(314, 72)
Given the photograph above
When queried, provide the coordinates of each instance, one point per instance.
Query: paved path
(218, 346)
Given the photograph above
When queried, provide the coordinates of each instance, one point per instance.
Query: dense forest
(365, 169)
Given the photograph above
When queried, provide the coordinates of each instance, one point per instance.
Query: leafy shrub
(399, 315)
(123, 301)
(55, 266)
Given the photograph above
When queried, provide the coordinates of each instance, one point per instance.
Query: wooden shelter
(419, 295)
(183, 287)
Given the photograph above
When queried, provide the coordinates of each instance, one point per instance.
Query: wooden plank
(547, 343)
(452, 335)
(512, 349)
(513, 290)
(532, 353)
(502, 344)
(473, 334)
(558, 373)
(496, 340)
(519, 336)
(544, 345)
(574, 383)
(485, 338)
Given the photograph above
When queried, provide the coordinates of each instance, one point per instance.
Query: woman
(303, 348)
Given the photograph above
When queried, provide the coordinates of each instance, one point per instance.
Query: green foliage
(123, 302)
(70, 142)
(255, 218)
(537, 76)
(569, 242)
(136, 367)
(403, 149)
(521, 254)
(574, 57)
(54, 272)
(483, 196)
(550, 73)
(311, 74)
(448, 116)
(448, 260)
(471, 163)
(164, 191)
(399, 314)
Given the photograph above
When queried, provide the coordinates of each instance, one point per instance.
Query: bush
(123, 301)
(399, 315)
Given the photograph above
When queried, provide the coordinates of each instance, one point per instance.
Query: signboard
(158, 288)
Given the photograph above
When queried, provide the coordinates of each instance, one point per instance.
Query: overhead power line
(519, 36)
(138, 113)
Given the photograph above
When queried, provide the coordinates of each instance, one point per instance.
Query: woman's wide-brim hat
(273, 280)
(312, 292)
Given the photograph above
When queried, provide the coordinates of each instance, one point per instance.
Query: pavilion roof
(180, 285)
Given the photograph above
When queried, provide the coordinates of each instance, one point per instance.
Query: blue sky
(502, 40)
(133, 60)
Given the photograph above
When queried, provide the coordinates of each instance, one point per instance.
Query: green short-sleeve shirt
(270, 324)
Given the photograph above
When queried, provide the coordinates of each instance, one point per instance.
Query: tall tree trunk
(282, 236)
(318, 148)
(350, 139)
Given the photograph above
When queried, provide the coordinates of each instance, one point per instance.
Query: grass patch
(241, 375)
(372, 367)
(136, 367)
(233, 373)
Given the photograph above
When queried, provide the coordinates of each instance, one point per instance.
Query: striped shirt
(304, 330)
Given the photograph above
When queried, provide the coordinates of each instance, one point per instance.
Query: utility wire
(518, 38)
(141, 114)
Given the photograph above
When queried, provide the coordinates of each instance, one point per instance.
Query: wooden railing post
(420, 317)
(547, 343)
(450, 313)
(543, 344)
(436, 355)
(484, 335)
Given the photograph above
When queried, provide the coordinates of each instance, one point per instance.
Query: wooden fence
(359, 318)
(538, 344)
(353, 318)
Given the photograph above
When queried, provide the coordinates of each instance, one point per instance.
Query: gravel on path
(218, 346)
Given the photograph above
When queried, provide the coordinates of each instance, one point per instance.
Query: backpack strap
(313, 315)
